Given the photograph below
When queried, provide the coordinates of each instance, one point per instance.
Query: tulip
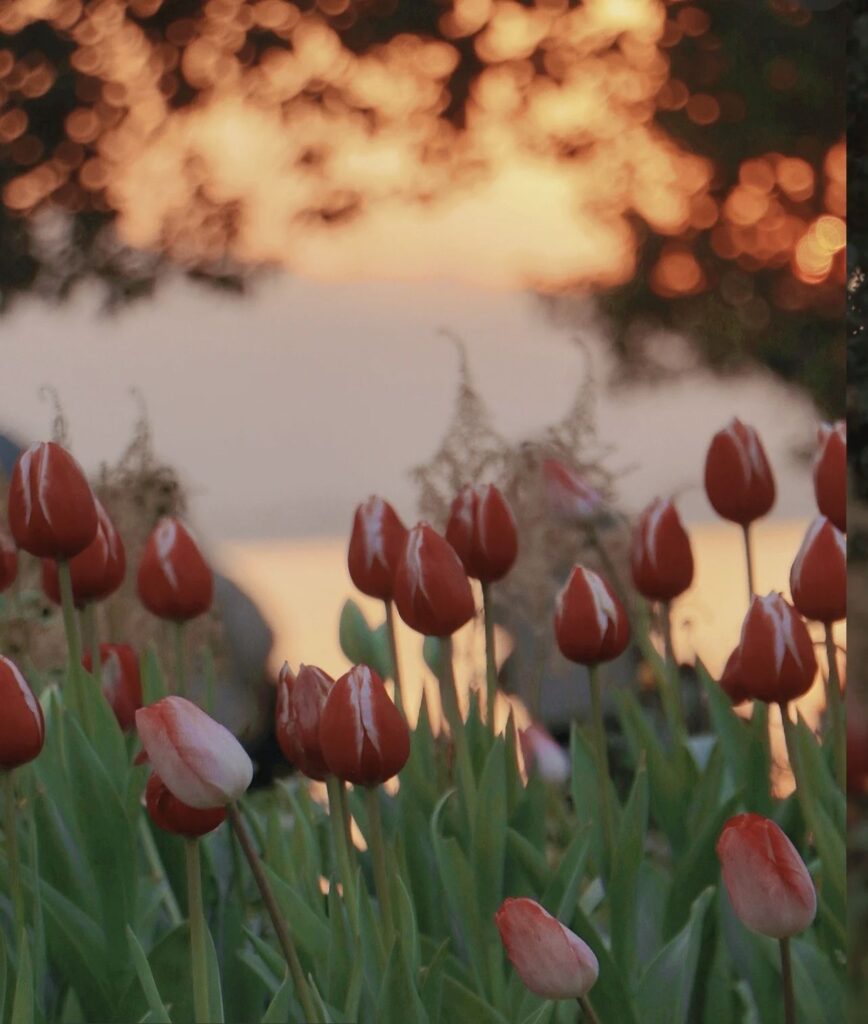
(300, 701)
(120, 679)
(200, 761)
(8, 561)
(591, 624)
(776, 653)
(96, 572)
(662, 562)
(483, 532)
(769, 886)
(376, 543)
(732, 680)
(22, 727)
(432, 592)
(568, 496)
(174, 581)
(552, 961)
(363, 738)
(818, 578)
(52, 512)
(738, 478)
(173, 815)
(544, 755)
(830, 473)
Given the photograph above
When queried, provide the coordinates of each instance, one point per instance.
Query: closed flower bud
(96, 572)
(482, 531)
(568, 496)
(174, 582)
(22, 727)
(300, 700)
(552, 961)
(52, 511)
(544, 755)
(738, 478)
(173, 815)
(732, 682)
(432, 592)
(8, 561)
(362, 735)
(198, 759)
(769, 886)
(662, 562)
(590, 622)
(818, 578)
(376, 544)
(830, 473)
(121, 681)
(776, 654)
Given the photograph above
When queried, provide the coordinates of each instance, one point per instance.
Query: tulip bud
(174, 582)
(662, 561)
(552, 961)
(776, 655)
(52, 512)
(432, 592)
(544, 755)
(482, 531)
(8, 562)
(121, 681)
(199, 760)
(590, 622)
(362, 735)
(732, 682)
(96, 572)
(769, 886)
(568, 496)
(376, 543)
(300, 700)
(830, 473)
(738, 478)
(173, 815)
(818, 578)
(22, 727)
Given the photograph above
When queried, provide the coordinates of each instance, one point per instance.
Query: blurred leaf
(612, 998)
(819, 990)
(278, 1011)
(432, 654)
(158, 1011)
(215, 991)
(399, 1001)
(489, 835)
(460, 1004)
(22, 1003)
(628, 853)
(354, 634)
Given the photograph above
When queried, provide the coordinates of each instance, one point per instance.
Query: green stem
(599, 733)
(198, 949)
(180, 677)
(673, 676)
(340, 839)
(792, 755)
(378, 854)
(155, 863)
(393, 644)
(835, 707)
(73, 641)
(11, 829)
(346, 818)
(452, 710)
(280, 927)
(90, 639)
(490, 659)
(787, 983)
(588, 1010)
(749, 561)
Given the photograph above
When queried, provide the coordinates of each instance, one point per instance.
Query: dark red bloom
(590, 622)
(662, 562)
(173, 815)
(432, 592)
(818, 578)
(482, 531)
(732, 682)
(376, 543)
(300, 700)
(776, 655)
(174, 582)
(738, 478)
(96, 572)
(8, 561)
(121, 681)
(22, 727)
(830, 473)
(52, 511)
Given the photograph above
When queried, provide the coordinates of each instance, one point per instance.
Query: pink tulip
(544, 755)
(568, 496)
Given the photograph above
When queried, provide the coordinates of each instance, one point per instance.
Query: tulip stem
(835, 709)
(10, 826)
(393, 644)
(749, 560)
(280, 928)
(198, 948)
(378, 853)
(671, 672)
(792, 754)
(452, 710)
(588, 1010)
(787, 982)
(599, 731)
(340, 839)
(89, 637)
(73, 641)
(490, 659)
(158, 873)
(180, 678)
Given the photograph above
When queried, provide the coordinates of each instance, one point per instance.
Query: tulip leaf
(460, 1004)
(311, 934)
(354, 633)
(628, 853)
(520, 852)
(399, 1001)
(215, 991)
(4, 970)
(432, 654)
(562, 893)
(158, 1011)
(431, 981)
(22, 1002)
(278, 1011)
(819, 991)
(489, 835)
(153, 681)
(585, 793)
(341, 952)
(611, 993)
(542, 1015)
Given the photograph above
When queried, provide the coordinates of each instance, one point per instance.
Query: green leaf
(278, 1011)
(611, 994)
(22, 1003)
(309, 930)
(625, 871)
(432, 654)
(4, 970)
(819, 990)
(489, 836)
(153, 682)
(542, 1015)
(158, 1011)
(215, 992)
(398, 1001)
(460, 1004)
(354, 633)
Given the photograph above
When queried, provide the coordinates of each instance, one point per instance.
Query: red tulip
(482, 530)
(362, 735)
(121, 681)
(830, 473)
(732, 681)
(376, 543)
(544, 755)
(662, 561)
(818, 578)
(776, 655)
(568, 496)
(552, 961)
(22, 727)
(8, 561)
(769, 886)
(199, 760)
(300, 700)
(590, 622)
(432, 592)
(738, 478)
(173, 815)
(52, 512)
(175, 582)
(96, 572)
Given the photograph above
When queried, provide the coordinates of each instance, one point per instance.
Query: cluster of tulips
(349, 731)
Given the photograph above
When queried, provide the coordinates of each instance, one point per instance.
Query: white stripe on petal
(782, 622)
(26, 459)
(414, 560)
(365, 698)
(373, 513)
(42, 488)
(164, 538)
(26, 692)
(652, 524)
(603, 603)
(813, 530)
